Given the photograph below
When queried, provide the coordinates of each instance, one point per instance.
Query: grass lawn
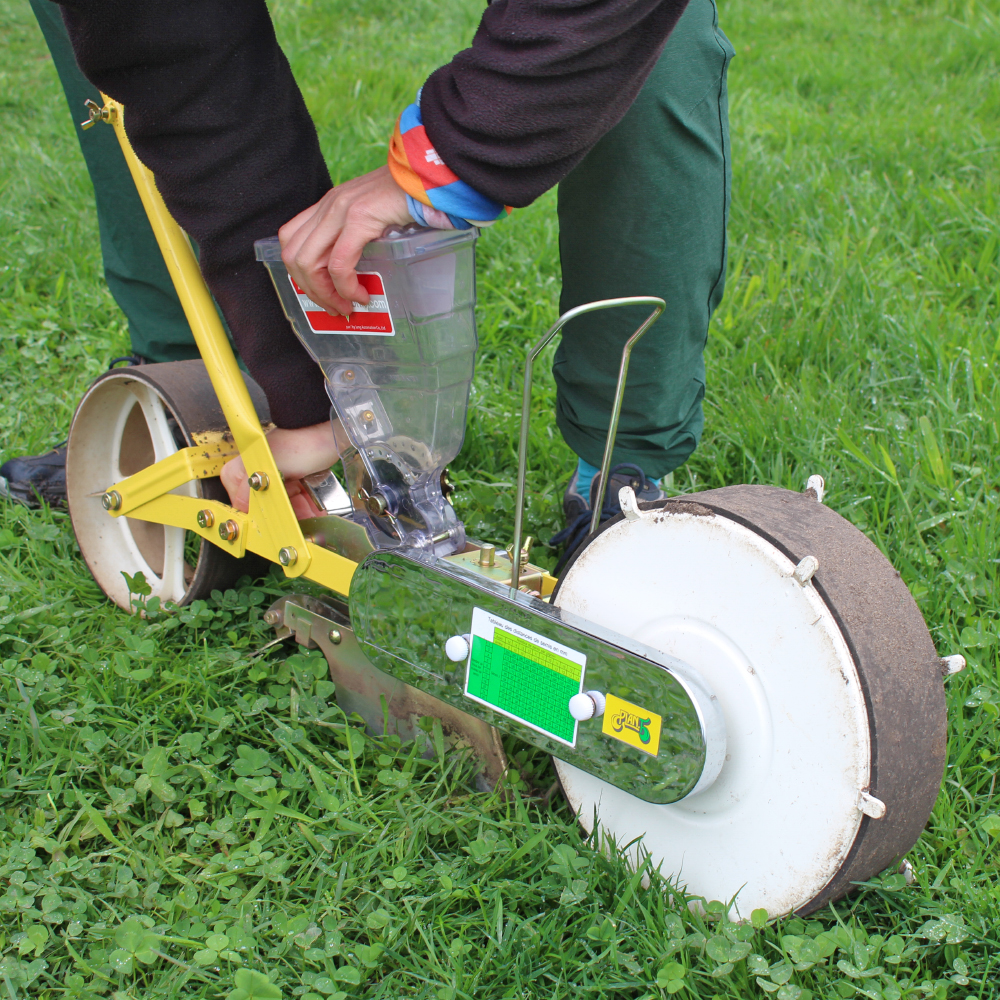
(182, 817)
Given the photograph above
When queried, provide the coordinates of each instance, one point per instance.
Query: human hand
(322, 245)
(297, 453)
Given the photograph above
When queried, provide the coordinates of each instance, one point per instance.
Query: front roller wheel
(830, 687)
(129, 419)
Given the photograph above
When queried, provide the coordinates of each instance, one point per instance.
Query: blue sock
(585, 473)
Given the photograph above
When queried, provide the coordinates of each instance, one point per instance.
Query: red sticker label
(373, 318)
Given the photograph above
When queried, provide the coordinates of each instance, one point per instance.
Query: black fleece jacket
(213, 110)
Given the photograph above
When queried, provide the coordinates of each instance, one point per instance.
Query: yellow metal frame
(271, 525)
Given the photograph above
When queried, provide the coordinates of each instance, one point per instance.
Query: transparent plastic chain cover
(398, 371)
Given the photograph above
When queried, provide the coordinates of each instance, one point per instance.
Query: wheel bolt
(288, 556)
(229, 531)
(112, 500)
(259, 481)
(206, 518)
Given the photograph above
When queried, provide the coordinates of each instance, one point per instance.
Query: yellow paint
(271, 523)
(328, 568)
(201, 462)
(630, 723)
(182, 512)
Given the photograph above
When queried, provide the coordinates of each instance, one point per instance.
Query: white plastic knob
(457, 648)
(586, 705)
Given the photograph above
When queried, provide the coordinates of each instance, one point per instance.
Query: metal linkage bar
(522, 456)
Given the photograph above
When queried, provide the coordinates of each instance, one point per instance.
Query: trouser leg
(645, 214)
(212, 109)
(133, 264)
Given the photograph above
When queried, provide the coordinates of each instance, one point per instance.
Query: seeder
(736, 681)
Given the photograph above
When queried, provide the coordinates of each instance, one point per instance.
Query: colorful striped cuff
(419, 170)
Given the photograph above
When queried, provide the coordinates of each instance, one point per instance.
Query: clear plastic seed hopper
(398, 371)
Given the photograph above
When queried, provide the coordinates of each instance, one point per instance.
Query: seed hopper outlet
(760, 709)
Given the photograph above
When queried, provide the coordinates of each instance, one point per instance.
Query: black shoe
(578, 526)
(574, 504)
(34, 479)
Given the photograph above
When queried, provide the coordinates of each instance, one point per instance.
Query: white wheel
(124, 423)
(711, 582)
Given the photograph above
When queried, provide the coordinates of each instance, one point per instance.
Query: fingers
(303, 507)
(322, 245)
(297, 453)
(305, 246)
(234, 478)
(303, 451)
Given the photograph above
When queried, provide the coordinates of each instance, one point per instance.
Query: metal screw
(205, 518)
(112, 500)
(288, 556)
(335, 637)
(349, 376)
(259, 481)
(271, 617)
(805, 569)
(229, 531)
(375, 503)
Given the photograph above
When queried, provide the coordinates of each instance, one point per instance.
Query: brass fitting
(229, 531)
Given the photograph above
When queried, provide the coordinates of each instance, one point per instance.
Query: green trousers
(133, 265)
(645, 214)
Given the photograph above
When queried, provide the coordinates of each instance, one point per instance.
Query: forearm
(541, 83)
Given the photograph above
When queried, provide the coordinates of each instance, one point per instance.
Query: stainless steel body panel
(404, 608)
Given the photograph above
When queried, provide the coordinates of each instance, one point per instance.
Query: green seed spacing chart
(524, 675)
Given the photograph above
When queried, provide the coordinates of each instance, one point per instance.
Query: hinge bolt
(271, 617)
(112, 500)
(259, 481)
(375, 503)
(205, 518)
(229, 531)
(288, 556)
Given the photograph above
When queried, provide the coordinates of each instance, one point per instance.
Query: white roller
(778, 822)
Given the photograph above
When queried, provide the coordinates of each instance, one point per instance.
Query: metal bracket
(522, 453)
(385, 703)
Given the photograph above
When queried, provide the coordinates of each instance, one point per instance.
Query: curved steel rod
(522, 456)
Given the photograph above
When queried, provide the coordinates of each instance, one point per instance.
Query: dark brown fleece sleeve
(212, 109)
(541, 83)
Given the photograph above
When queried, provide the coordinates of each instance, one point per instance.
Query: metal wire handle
(522, 456)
